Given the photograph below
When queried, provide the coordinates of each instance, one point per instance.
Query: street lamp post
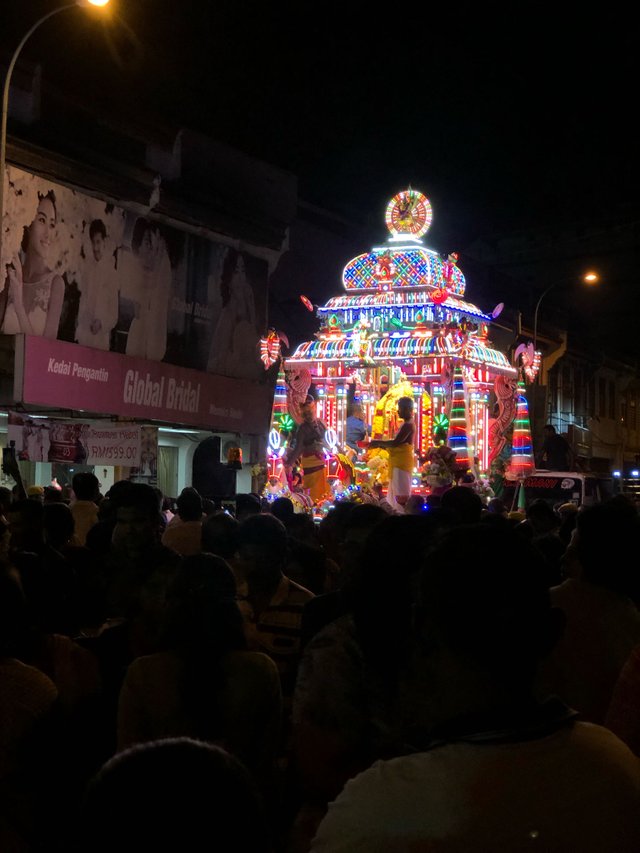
(5, 101)
(535, 316)
(588, 278)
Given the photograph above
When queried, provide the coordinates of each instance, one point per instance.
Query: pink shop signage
(64, 375)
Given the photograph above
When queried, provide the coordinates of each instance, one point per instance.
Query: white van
(557, 487)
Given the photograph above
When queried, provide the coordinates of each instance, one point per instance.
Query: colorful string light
(458, 422)
(413, 267)
(522, 462)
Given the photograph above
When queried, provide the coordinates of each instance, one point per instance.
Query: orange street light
(589, 278)
(5, 101)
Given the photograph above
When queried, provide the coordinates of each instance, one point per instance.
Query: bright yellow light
(86, 3)
(591, 278)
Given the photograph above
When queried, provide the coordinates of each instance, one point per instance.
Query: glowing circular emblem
(438, 296)
(409, 213)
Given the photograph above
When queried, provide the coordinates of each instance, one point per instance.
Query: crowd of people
(444, 677)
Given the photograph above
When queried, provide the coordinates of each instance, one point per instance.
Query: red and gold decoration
(270, 349)
(409, 213)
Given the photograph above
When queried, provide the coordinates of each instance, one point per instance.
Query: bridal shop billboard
(59, 375)
(81, 270)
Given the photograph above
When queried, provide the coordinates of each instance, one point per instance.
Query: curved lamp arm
(5, 101)
(535, 316)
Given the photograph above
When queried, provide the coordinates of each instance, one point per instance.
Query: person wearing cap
(36, 493)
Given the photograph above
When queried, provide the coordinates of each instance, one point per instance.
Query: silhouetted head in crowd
(606, 542)
(25, 519)
(484, 619)
(53, 495)
(624, 505)
(109, 504)
(59, 525)
(201, 606)
(464, 502)
(247, 505)
(497, 506)
(302, 529)
(202, 624)
(208, 506)
(86, 487)
(542, 517)
(15, 621)
(220, 535)
(262, 551)
(282, 508)
(138, 520)
(357, 527)
(331, 528)
(415, 505)
(383, 589)
(568, 515)
(173, 795)
(189, 505)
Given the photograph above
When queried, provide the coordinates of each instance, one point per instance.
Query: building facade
(137, 292)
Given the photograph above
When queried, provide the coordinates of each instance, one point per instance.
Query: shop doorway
(168, 471)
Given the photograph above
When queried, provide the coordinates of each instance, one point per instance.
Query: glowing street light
(589, 278)
(5, 100)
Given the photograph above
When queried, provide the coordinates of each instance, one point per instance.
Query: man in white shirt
(493, 769)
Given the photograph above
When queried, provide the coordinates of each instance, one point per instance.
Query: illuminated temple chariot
(403, 328)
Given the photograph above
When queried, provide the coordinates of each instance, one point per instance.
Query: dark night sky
(506, 116)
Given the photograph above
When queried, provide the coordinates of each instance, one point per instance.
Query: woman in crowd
(204, 683)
